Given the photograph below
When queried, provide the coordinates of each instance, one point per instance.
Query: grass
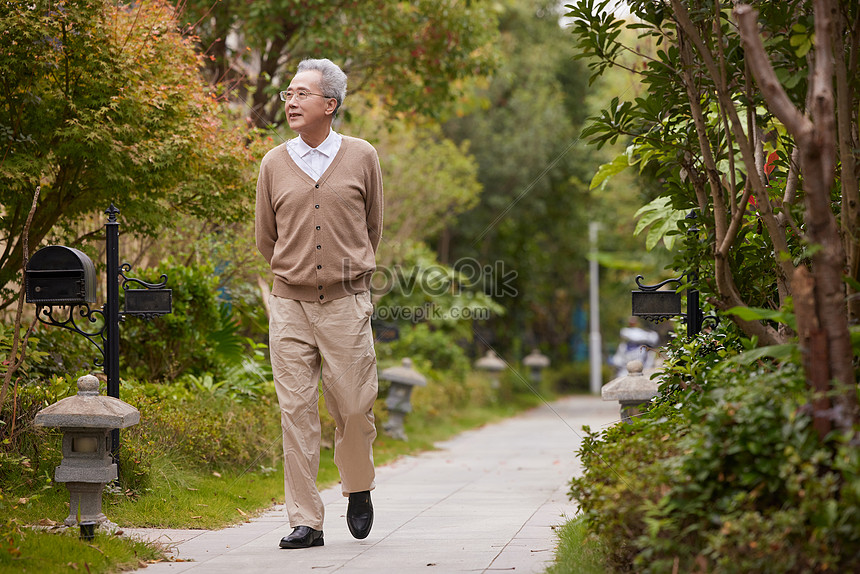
(189, 497)
(578, 553)
(38, 552)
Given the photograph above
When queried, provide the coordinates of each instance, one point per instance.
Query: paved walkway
(486, 501)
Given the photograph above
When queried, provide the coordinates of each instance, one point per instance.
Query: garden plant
(747, 460)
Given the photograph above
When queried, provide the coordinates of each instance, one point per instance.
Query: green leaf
(853, 283)
(662, 218)
(607, 170)
(782, 352)
(758, 314)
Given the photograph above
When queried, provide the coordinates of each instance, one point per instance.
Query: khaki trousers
(334, 339)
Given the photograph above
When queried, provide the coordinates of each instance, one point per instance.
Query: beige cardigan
(320, 238)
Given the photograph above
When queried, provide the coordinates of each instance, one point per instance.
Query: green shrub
(621, 476)
(198, 429)
(186, 339)
(572, 377)
(27, 451)
(723, 473)
(435, 351)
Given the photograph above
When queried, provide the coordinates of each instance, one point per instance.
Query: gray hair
(333, 80)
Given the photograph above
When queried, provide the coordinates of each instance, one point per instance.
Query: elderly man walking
(318, 224)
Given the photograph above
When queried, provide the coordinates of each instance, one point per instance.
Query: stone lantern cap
(536, 359)
(632, 387)
(490, 362)
(88, 409)
(404, 374)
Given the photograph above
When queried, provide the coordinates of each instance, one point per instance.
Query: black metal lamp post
(59, 276)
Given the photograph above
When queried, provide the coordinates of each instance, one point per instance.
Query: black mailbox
(59, 275)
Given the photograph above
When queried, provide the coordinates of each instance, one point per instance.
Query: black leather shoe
(359, 514)
(302, 537)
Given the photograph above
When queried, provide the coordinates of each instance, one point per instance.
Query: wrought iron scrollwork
(678, 280)
(657, 319)
(711, 318)
(97, 338)
(143, 299)
(125, 267)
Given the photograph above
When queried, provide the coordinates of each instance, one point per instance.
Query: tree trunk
(813, 344)
(816, 139)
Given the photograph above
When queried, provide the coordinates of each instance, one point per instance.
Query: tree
(429, 180)
(770, 173)
(104, 103)
(529, 224)
(411, 55)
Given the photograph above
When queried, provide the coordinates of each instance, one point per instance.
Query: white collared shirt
(314, 160)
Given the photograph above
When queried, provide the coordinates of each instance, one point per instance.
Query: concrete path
(486, 501)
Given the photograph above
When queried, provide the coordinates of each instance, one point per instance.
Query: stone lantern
(493, 365)
(536, 362)
(403, 379)
(631, 390)
(86, 420)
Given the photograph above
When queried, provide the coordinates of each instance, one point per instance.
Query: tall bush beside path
(725, 473)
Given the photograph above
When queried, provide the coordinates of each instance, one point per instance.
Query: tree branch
(771, 89)
(14, 360)
(780, 245)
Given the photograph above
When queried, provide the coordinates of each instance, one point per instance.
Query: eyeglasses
(300, 95)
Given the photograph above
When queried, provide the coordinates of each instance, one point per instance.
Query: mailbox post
(59, 276)
(657, 305)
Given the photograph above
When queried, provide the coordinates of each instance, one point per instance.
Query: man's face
(312, 114)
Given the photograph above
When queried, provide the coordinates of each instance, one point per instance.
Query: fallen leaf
(47, 522)
(216, 474)
(23, 500)
(196, 517)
